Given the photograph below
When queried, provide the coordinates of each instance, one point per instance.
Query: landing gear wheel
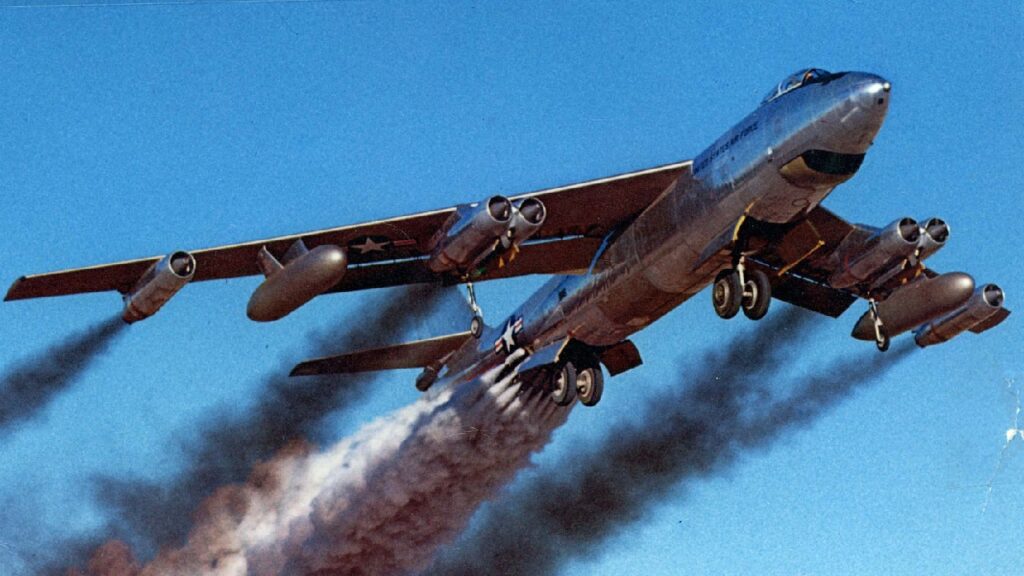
(563, 384)
(590, 385)
(476, 326)
(757, 295)
(882, 342)
(727, 294)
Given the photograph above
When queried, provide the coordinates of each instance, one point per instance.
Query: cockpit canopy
(797, 80)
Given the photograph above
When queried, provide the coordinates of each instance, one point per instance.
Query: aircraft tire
(760, 289)
(563, 384)
(476, 326)
(590, 385)
(727, 294)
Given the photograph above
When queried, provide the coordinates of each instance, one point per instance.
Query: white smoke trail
(378, 502)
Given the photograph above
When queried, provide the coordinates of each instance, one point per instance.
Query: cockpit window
(796, 80)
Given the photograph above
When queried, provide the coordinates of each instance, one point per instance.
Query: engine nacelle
(304, 275)
(976, 315)
(934, 236)
(476, 230)
(156, 286)
(917, 303)
(879, 257)
(528, 216)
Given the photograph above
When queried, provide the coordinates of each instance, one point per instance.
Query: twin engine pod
(300, 276)
(476, 231)
(156, 286)
(873, 261)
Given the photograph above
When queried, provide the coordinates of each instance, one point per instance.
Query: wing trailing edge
(408, 355)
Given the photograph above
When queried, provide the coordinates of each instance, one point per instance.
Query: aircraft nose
(860, 111)
(873, 91)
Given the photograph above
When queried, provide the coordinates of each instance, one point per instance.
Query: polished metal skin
(760, 168)
(471, 234)
(157, 285)
(871, 260)
(986, 302)
(299, 280)
(918, 303)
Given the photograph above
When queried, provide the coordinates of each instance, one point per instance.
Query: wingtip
(12, 292)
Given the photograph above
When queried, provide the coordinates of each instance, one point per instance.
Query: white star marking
(369, 245)
(508, 337)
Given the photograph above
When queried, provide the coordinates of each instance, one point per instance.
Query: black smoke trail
(151, 515)
(29, 387)
(737, 401)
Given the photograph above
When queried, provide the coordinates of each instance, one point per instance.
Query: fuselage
(774, 165)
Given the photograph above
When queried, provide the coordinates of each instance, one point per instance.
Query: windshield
(796, 80)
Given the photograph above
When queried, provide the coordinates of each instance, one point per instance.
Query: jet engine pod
(473, 234)
(917, 303)
(983, 311)
(161, 281)
(287, 287)
(878, 257)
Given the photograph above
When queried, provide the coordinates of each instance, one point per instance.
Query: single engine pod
(986, 303)
(297, 282)
(156, 286)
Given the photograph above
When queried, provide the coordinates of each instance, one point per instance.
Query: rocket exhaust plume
(26, 389)
(738, 401)
(379, 502)
(227, 447)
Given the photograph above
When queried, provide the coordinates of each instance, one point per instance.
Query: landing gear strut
(738, 288)
(476, 325)
(881, 338)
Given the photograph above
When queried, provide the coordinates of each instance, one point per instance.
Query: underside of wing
(444, 245)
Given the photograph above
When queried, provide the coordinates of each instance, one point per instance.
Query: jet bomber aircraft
(744, 216)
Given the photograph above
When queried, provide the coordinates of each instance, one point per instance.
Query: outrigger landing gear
(881, 338)
(738, 288)
(476, 325)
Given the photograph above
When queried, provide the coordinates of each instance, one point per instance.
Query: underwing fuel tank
(984, 310)
(156, 286)
(303, 275)
(918, 303)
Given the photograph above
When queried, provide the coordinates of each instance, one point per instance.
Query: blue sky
(129, 131)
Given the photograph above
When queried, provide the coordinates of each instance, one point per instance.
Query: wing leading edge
(392, 252)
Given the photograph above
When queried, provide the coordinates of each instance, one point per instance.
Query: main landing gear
(739, 288)
(571, 380)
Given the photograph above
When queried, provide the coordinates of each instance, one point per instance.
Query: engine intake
(474, 232)
(528, 216)
(879, 257)
(936, 232)
(156, 286)
(982, 311)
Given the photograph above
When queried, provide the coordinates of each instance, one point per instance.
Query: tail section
(418, 354)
